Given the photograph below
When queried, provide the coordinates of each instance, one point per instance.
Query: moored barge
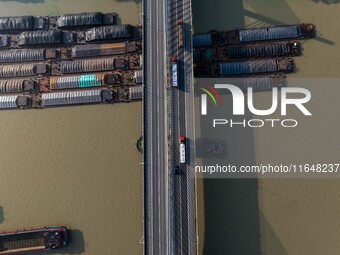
(76, 97)
(82, 81)
(67, 21)
(33, 240)
(242, 68)
(250, 51)
(253, 35)
(69, 53)
(59, 38)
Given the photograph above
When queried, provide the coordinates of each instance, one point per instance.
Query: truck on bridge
(174, 72)
(180, 34)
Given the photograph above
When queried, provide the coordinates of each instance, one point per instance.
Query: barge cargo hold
(93, 65)
(96, 50)
(253, 35)
(286, 49)
(301, 31)
(86, 19)
(40, 37)
(244, 68)
(256, 67)
(33, 240)
(77, 97)
(110, 79)
(23, 55)
(17, 86)
(250, 51)
(108, 33)
(18, 23)
(66, 21)
(22, 70)
(136, 93)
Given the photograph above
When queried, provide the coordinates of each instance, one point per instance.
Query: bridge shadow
(231, 206)
(25, 1)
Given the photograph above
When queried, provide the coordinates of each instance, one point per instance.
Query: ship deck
(22, 242)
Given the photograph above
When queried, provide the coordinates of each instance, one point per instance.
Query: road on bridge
(169, 200)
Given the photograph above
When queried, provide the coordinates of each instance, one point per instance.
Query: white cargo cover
(72, 97)
(8, 102)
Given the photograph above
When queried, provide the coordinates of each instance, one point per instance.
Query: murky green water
(298, 217)
(74, 166)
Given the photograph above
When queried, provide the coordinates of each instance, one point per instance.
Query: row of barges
(249, 52)
(70, 59)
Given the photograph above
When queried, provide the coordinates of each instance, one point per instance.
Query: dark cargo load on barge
(40, 37)
(94, 50)
(17, 23)
(86, 19)
(258, 51)
(32, 240)
(22, 70)
(207, 39)
(16, 86)
(81, 19)
(255, 67)
(276, 33)
(108, 32)
(89, 65)
(24, 55)
(76, 97)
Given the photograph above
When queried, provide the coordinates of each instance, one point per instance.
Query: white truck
(182, 156)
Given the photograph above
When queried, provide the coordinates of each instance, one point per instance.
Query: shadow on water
(2, 217)
(136, 1)
(231, 209)
(76, 244)
(327, 1)
(232, 217)
(276, 246)
(25, 1)
(231, 206)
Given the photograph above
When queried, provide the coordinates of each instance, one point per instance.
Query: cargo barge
(33, 240)
(131, 62)
(67, 21)
(68, 98)
(69, 53)
(250, 51)
(60, 38)
(51, 83)
(254, 35)
(244, 68)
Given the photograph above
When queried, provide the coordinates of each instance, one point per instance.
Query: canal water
(74, 166)
(277, 216)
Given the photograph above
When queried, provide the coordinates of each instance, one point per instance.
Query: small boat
(33, 240)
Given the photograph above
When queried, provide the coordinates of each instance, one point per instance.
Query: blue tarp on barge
(257, 50)
(248, 67)
(269, 33)
(201, 40)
